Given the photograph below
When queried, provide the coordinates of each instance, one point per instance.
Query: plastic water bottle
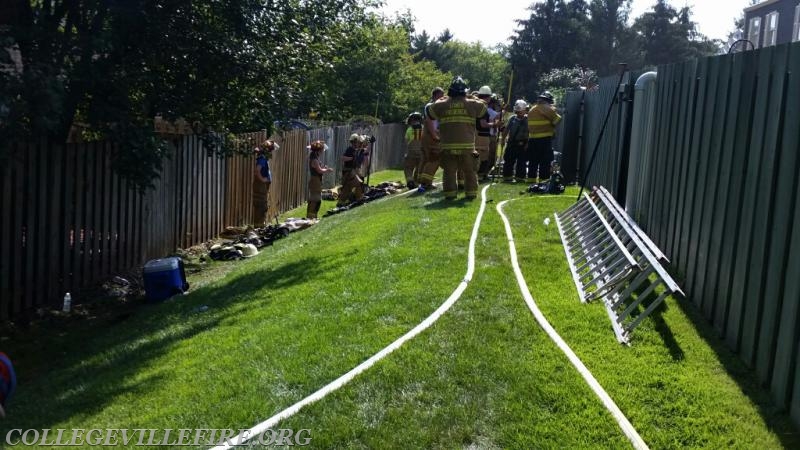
(67, 303)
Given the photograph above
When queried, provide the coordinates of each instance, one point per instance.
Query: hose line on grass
(270, 423)
(608, 402)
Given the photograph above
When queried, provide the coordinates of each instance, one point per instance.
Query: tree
(435, 50)
(559, 81)
(609, 35)
(478, 65)
(372, 72)
(555, 35)
(224, 66)
(737, 33)
(668, 35)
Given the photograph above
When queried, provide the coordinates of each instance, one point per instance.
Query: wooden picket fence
(69, 221)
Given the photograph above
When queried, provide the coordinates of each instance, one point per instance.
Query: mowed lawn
(283, 324)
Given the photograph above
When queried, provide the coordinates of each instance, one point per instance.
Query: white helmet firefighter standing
(516, 138)
(483, 128)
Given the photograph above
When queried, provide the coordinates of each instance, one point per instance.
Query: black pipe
(623, 69)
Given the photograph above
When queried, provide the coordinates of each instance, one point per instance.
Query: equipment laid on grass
(611, 258)
(555, 184)
(164, 278)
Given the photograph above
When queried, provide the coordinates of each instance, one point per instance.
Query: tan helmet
(318, 146)
(270, 145)
(485, 90)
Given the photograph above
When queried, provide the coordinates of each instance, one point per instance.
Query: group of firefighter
(458, 132)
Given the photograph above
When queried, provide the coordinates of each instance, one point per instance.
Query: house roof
(761, 5)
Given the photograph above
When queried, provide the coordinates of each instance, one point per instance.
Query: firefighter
(262, 180)
(351, 181)
(496, 119)
(483, 128)
(516, 138)
(316, 171)
(431, 145)
(363, 155)
(456, 115)
(412, 165)
(542, 121)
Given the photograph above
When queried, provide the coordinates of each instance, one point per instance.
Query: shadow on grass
(675, 350)
(81, 369)
(777, 420)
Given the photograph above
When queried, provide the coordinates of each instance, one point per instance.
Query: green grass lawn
(316, 304)
(374, 179)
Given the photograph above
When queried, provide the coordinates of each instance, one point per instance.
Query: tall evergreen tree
(668, 35)
(555, 35)
(609, 35)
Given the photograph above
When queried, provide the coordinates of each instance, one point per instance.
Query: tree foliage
(562, 34)
(668, 35)
(372, 73)
(224, 66)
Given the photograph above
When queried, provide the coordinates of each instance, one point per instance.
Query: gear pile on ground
(330, 195)
(245, 243)
(370, 194)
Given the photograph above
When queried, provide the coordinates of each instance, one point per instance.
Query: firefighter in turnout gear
(431, 145)
(412, 166)
(516, 138)
(483, 128)
(351, 181)
(316, 169)
(456, 115)
(262, 179)
(542, 121)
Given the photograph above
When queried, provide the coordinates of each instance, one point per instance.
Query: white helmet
(485, 90)
(520, 105)
(248, 250)
(355, 137)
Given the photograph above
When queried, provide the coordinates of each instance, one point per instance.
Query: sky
(493, 22)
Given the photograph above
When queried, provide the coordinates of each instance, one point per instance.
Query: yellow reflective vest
(542, 121)
(456, 118)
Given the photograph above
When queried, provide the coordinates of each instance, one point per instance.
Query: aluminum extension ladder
(612, 259)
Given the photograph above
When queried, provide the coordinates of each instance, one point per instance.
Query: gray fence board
(721, 196)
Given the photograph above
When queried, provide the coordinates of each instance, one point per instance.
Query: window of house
(754, 31)
(771, 29)
(796, 29)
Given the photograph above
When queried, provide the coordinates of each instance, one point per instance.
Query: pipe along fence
(69, 221)
(704, 156)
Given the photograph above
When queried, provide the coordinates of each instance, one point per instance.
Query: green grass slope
(285, 323)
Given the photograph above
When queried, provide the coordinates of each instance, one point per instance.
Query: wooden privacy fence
(717, 187)
(69, 221)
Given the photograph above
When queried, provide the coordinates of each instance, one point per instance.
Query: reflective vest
(456, 118)
(414, 139)
(542, 121)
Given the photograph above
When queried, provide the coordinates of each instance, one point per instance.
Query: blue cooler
(164, 278)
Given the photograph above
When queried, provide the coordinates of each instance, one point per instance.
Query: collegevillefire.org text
(77, 437)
